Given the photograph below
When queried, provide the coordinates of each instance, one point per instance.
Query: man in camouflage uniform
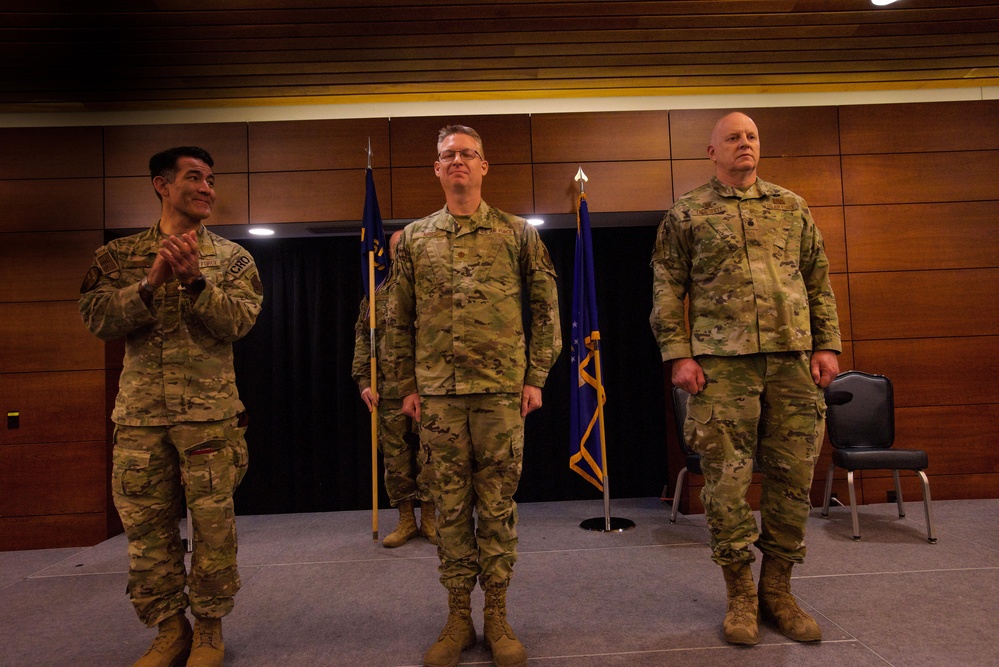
(406, 476)
(456, 338)
(762, 344)
(180, 295)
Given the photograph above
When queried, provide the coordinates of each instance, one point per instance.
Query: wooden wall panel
(46, 336)
(829, 220)
(600, 137)
(923, 304)
(131, 203)
(416, 192)
(783, 131)
(919, 128)
(51, 152)
(920, 177)
(51, 205)
(52, 532)
(318, 145)
(958, 439)
(73, 481)
(127, 148)
(817, 179)
(934, 371)
(506, 139)
(45, 266)
(942, 487)
(612, 186)
(902, 237)
(54, 407)
(315, 196)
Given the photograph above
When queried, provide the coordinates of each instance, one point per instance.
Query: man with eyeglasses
(455, 333)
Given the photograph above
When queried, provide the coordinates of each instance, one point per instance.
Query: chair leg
(676, 495)
(898, 494)
(929, 510)
(190, 532)
(829, 481)
(853, 504)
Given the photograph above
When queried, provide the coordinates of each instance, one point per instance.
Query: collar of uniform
(477, 220)
(757, 190)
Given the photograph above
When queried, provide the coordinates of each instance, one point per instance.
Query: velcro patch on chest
(707, 211)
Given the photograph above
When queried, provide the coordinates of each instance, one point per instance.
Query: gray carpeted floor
(318, 591)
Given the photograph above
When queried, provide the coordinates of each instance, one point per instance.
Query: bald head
(393, 242)
(735, 149)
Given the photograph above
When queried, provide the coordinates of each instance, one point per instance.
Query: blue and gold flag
(585, 455)
(373, 237)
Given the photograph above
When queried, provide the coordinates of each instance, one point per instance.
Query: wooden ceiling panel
(155, 54)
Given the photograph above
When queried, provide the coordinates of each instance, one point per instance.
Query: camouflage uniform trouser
(150, 463)
(767, 406)
(406, 476)
(476, 445)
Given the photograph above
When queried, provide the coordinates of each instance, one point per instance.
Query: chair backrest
(680, 410)
(868, 419)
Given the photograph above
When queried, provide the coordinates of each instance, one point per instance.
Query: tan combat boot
(406, 530)
(458, 633)
(428, 522)
(172, 644)
(506, 648)
(778, 606)
(740, 624)
(207, 648)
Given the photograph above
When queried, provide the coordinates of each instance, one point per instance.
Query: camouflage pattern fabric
(407, 475)
(178, 357)
(476, 445)
(152, 467)
(360, 369)
(753, 267)
(764, 406)
(459, 288)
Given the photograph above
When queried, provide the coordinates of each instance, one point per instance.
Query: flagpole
(610, 524)
(374, 386)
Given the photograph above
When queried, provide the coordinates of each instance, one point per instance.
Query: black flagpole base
(617, 524)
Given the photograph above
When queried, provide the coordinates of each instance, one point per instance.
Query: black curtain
(309, 434)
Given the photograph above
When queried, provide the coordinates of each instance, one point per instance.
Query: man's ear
(160, 185)
(485, 167)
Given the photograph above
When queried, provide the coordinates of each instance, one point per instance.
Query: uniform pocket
(130, 472)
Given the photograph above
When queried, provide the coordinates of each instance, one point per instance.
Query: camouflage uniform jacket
(456, 320)
(753, 268)
(360, 370)
(178, 355)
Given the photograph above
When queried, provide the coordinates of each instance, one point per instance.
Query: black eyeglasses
(465, 153)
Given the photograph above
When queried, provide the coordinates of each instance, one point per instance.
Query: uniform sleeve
(229, 308)
(360, 369)
(546, 328)
(111, 309)
(400, 341)
(670, 283)
(823, 317)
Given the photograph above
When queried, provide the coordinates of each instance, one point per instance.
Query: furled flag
(584, 430)
(373, 237)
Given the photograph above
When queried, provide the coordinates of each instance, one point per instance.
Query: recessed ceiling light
(261, 231)
(882, 3)
(535, 221)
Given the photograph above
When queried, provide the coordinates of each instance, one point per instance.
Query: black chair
(692, 460)
(862, 432)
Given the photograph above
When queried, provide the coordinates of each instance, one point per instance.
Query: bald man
(761, 346)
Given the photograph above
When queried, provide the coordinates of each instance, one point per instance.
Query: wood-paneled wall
(905, 196)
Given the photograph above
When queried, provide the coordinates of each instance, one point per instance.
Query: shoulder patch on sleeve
(90, 280)
(242, 263)
(108, 264)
